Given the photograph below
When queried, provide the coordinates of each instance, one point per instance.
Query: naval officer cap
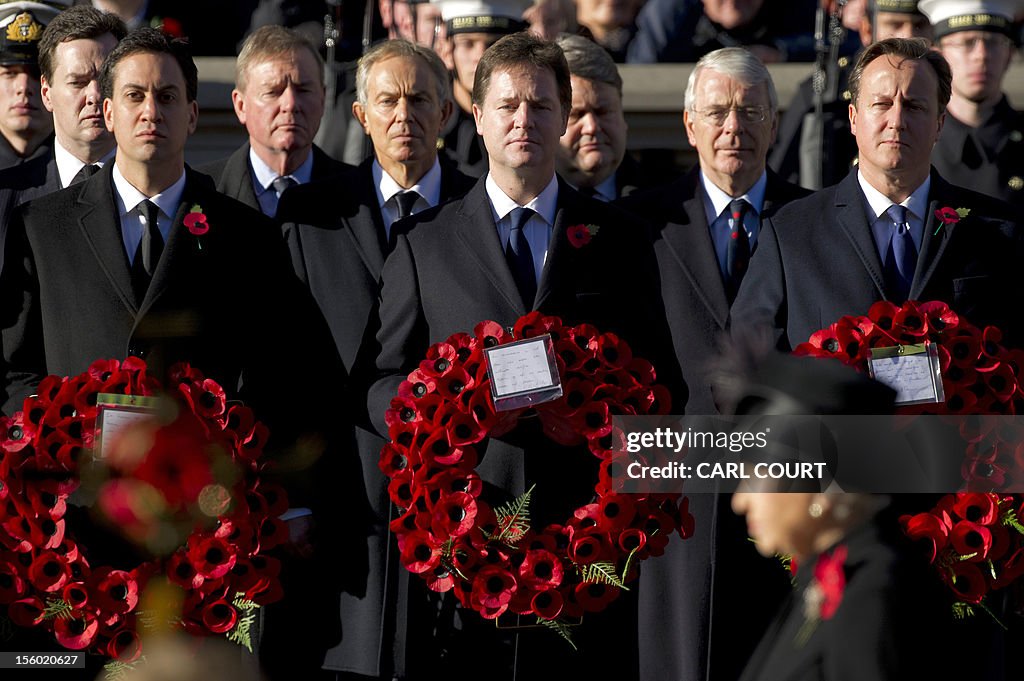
(21, 27)
(484, 16)
(953, 16)
(896, 6)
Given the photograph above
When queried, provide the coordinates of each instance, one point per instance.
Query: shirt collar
(68, 164)
(544, 204)
(128, 197)
(606, 190)
(878, 203)
(718, 200)
(428, 186)
(265, 175)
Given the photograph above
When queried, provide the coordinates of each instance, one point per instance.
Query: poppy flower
(967, 582)
(830, 576)
(273, 532)
(77, 630)
(12, 586)
(613, 351)
(947, 216)
(547, 604)
(491, 333)
(929, 527)
(492, 591)
(27, 612)
(971, 539)
(420, 553)
(213, 557)
(440, 579)
(882, 314)
(687, 523)
(441, 358)
(977, 508)
(586, 548)
(219, 616)
(540, 569)
(49, 572)
(115, 590)
(595, 597)
(464, 429)
(124, 646)
(616, 512)
(195, 219)
(454, 515)
(537, 324)
(1013, 568)
(909, 325)
(17, 434)
(579, 235)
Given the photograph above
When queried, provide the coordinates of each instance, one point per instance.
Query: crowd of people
(441, 195)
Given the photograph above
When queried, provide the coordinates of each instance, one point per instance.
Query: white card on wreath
(117, 413)
(911, 370)
(523, 373)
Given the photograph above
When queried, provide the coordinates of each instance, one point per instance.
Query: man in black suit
(876, 235)
(279, 98)
(705, 226)
(495, 254)
(106, 268)
(25, 128)
(71, 53)
(592, 155)
(338, 232)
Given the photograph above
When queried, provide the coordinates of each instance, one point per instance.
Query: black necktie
(737, 251)
(405, 202)
(84, 173)
(151, 246)
(520, 257)
(900, 257)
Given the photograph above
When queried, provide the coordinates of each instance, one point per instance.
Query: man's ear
(108, 115)
(238, 102)
(44, 93)
(359, 113)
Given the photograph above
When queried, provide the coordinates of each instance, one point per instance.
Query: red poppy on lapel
(580, 235)
(950, 216)
(830, 577)
(196, 222)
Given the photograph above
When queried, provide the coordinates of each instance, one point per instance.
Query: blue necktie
(737, 251)
(901, 256)
(520, 258)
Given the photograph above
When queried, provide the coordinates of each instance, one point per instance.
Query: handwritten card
(117, 413)
(911, 370)
(523, 373)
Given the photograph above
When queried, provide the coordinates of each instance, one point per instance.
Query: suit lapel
(477, 233)
(689, 240)
(854, 223)
(367, 225)
(100, 223)
(238, 178)
(933, 244)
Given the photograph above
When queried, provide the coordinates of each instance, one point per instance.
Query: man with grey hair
(339, 232)
(705, 226)
(279, 98)
(592, 155)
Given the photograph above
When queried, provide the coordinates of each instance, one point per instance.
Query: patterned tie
(151, 246)
(405, 202)
(737, 250)
(520, 258)
(84, 173)
(900, 257)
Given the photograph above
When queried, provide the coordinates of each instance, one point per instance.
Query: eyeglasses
(747, 114)
(991, 42)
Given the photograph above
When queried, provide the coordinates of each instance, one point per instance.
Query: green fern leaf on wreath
(514, 519)
(601, 572)
(560, 628)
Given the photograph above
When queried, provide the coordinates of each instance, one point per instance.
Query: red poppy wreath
(497, 560)
(979, 377)
(195, 478)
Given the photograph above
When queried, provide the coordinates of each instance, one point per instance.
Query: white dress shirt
(263, 177)
(68, 164)
(133, 217)
(877, 206)
(537, 229)
(428, 187)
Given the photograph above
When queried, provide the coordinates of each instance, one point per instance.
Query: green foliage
(56, 607)
(560, 628)
(514, 519)
(240, 633)
(601, 572)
